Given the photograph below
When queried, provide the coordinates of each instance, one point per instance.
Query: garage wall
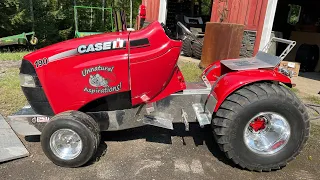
(247, 12)
(152, 8)
(251, 13)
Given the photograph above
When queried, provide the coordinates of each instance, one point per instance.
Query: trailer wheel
(261, 127)
(197, 48)
(70, 139)
(187, 46)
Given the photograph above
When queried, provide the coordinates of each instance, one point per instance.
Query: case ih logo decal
(102, 82)
(104, 46)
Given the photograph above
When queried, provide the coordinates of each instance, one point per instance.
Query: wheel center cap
(258, 124)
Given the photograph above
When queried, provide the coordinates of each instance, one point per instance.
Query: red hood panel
(76, 72)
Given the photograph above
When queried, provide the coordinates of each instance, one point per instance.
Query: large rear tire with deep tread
(244, 104)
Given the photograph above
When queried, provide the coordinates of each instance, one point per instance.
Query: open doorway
(299, 20)
(192, 13)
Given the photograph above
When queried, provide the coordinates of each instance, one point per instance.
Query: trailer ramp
(10, 145)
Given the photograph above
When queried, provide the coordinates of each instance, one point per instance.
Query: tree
(8, 9)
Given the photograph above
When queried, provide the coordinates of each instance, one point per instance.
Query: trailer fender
(230, 82)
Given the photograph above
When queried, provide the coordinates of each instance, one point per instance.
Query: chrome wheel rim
(267, 133)
(66, 144)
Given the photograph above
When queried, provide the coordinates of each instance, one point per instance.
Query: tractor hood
(75, 72)
(74, 47)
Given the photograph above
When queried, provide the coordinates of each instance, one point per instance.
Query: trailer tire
(67, 129)
(240, 121)
(187, 47)
(197, 48)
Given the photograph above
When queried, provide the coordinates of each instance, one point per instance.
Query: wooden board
(292, 66)
(221, 41)
(250, 13)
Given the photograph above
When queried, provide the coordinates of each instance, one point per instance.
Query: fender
(213, 71)
(230, 82)
(175, 84)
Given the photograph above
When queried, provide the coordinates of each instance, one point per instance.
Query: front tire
(261, 126)
(70, 139)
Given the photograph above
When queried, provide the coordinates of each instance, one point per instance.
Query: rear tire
(70, 139)
(231, 122)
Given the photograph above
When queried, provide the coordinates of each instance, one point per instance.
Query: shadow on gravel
(35, 138)
(101, 151)
(201, 136)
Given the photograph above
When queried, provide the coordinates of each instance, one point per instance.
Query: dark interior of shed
(176, 9)
(299, 20)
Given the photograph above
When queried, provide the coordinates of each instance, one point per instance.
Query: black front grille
(27, 68)
(35, 96)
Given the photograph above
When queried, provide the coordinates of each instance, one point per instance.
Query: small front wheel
(261, 126)
(70, 139)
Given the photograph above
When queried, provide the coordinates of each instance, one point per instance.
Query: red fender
(232, 81)
(213, 71)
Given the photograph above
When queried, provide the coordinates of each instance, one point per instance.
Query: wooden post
(221, 41)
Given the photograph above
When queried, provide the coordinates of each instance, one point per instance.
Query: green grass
(295, 90)
(190, 71)
(11, 96)
(313, 99)
(13, 56)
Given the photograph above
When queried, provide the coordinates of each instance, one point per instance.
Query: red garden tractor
(122, 80)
